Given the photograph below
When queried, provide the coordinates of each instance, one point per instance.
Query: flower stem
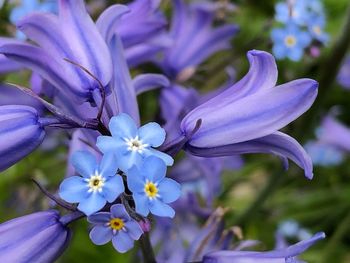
(341, 231)
(146, 248)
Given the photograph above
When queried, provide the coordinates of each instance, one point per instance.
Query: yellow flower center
(290, 41)
(317, 30)
(151, 190)
(95, 182)
(116, 223)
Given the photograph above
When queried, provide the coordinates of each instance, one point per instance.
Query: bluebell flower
(98, 185)
(289, 42)
(117, 226)
(289, 11)
(29, 6)
(246, 117)
(39, 237)
(288, 254)
(343, 76)
(151, 190)
(131, 144)
(193, 23)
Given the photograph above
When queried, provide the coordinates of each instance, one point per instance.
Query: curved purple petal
(277, 143)
(251, 117)
(147, 82)
(109, 19)
(86, 43)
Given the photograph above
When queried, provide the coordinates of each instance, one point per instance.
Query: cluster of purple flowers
(116, 173)
(303, 24)
(332, 142)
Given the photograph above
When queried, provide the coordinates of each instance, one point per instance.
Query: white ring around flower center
(95, 183)
(135, 144)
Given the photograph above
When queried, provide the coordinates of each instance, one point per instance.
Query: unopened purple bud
(38, 237)
(21, 132)
(145, 225)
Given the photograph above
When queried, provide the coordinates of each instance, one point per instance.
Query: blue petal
(123, 126)
(99, 218)
(73, 189)
(135, 180)
(84, 163)
(295, 54)
(147, 82)
(109, 144)
(108, 165)
(154, 168)
(101, 235)
(279, 51)
(169, 190)
(109, 20)
(158, 208)
(141, 203)
(113, 188)
(152, 134)
(122, 242)
(169, 161)
(93, 203)
(123, 90)
(129, 159)
(134, 229)
(118, 211)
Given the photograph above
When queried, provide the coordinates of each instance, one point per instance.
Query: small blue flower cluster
(303, 24)
(128, 154)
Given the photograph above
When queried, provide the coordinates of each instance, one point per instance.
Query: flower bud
(38, 237)
(20, 133)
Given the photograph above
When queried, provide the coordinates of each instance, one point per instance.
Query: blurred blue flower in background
(298, 17)
(290, 42)
(289, 11)
(98, 184)
(117, 226)
(343, 77)
(26, 7)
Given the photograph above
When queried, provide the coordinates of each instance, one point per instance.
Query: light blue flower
(29, 6)
(151, 190)
(296, 12)
(290, 42)
(131, 144)
(117, 226)
(316, 29)
(98, 184)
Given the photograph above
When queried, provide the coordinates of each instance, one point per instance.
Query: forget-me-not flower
(131, 144)
(291, 12)
(117, 226)
(289, 42)
(151, 190)
(98, 184)
(316, 29)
